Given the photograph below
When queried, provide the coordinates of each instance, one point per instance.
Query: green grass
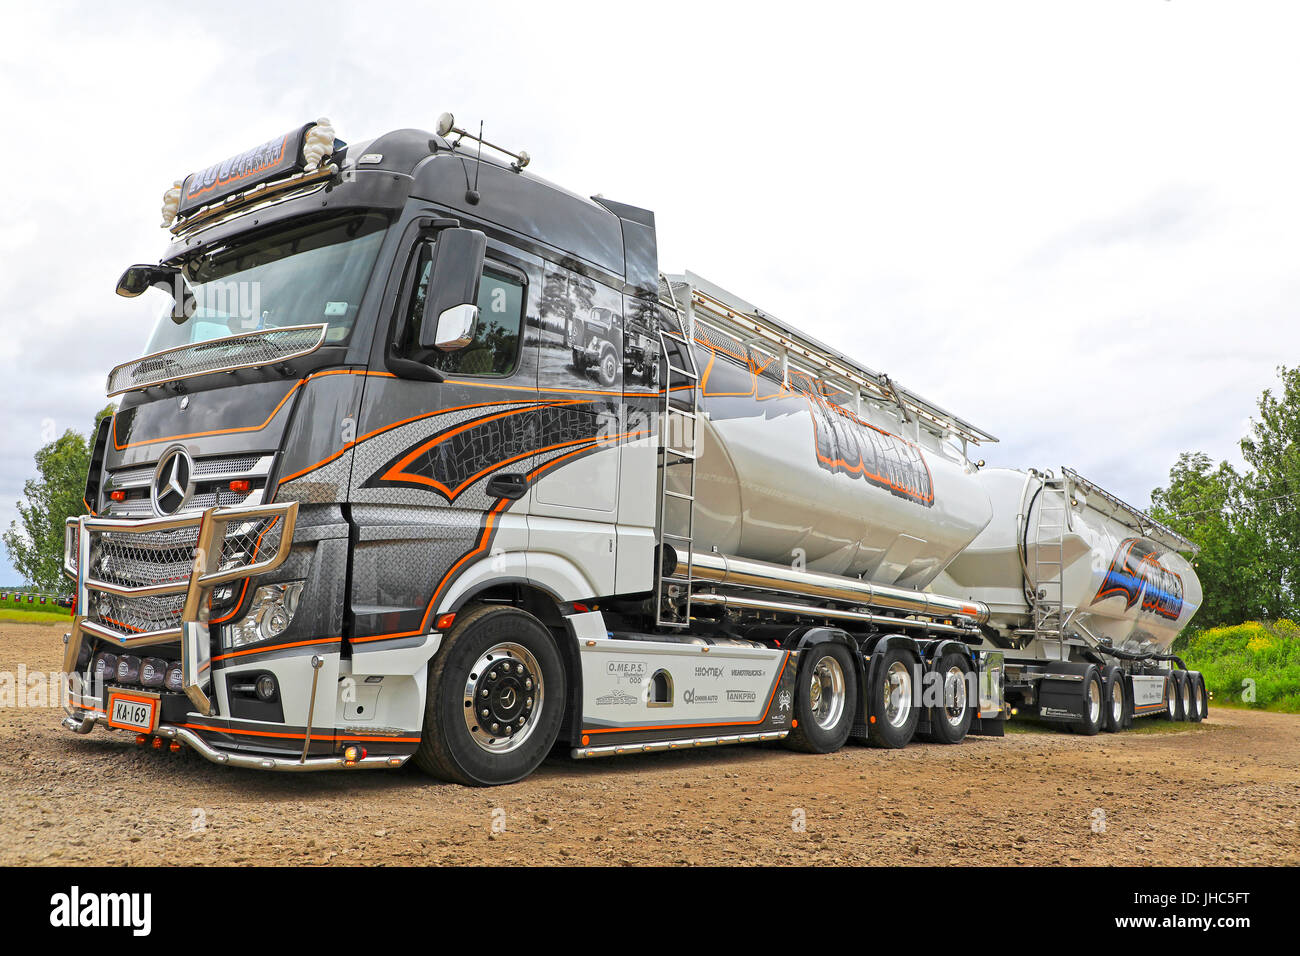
(1265, 655)
(1143, 725)
(16, 608)
(22, 616)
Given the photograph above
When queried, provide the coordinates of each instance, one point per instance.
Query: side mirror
(450, 305)
(139, 278)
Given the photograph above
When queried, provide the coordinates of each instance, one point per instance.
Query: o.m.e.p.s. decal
(1136, 574)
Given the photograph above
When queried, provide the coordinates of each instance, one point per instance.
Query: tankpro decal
(1136, 574)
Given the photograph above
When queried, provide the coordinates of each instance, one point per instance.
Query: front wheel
(825, 696)
(495, 699)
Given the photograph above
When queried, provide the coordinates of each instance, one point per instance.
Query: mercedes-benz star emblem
(171, 481)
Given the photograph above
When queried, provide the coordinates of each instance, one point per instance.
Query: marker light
(117, 495)
(352, 755)
(239, 484)
(445, 621)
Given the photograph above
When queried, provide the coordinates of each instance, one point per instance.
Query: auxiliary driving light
(353, 755)
(265, 687)
(153, 671)
(105, 666)
(175, 678)
(128, 668)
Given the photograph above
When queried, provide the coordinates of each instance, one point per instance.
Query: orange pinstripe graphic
(276, 647)
(246, 428)
(486, 534)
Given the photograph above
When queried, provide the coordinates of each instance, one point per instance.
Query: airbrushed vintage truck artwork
(426, 459)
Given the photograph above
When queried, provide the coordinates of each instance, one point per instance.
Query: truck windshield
(303, 274)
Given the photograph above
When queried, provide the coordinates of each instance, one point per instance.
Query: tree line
(1247, 522)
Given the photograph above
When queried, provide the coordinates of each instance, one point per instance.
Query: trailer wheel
(824, 700)
(1185, 694)
(1116, 700)
(608, 366)
(1195, 693)
(1094, 705)
(1174, 705)
(1171, 698)
(950, 722)
(894, 715)
(495, 699)
(1204, 696)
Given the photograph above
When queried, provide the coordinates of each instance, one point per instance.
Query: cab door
(441, 487)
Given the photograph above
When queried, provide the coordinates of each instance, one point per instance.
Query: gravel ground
(1226, 792)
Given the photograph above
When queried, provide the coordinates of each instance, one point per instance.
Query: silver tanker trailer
(1085, 594)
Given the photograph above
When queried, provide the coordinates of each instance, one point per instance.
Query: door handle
(509, 486)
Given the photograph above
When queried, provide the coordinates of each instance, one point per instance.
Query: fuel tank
(791, 472)
(1121, 574)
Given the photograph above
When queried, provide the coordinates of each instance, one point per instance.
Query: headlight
(273, 608)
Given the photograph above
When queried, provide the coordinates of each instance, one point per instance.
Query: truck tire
(1205, 696)
(1170, 711)
(1115, 701)
(825, 699)
(1185, 694)
(1195, 693)
(950, 724)
(504, 661)
(1177, 682)
(1094, 704)
(608, 369)
(893, 716)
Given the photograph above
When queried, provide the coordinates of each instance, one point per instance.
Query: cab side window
(495, 347)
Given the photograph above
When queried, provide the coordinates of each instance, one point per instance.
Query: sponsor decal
(1136, 575)
(616, 697)
(748, 672)
(741, 696)
(691, 697)
(783, 700)
(702, 670)
(631, 671)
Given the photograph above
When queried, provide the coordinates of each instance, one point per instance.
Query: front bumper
(85, 724)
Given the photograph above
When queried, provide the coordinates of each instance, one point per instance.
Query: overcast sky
(1071, 223)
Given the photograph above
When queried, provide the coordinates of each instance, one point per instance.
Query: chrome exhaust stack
(728, 571)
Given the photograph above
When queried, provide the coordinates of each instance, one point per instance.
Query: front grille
(135, 559)
(137, 482)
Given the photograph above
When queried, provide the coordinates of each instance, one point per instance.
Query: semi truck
(358, 506)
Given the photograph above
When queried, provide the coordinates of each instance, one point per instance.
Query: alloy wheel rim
(503, 697)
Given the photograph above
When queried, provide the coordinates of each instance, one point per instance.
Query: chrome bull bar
(212, 566)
